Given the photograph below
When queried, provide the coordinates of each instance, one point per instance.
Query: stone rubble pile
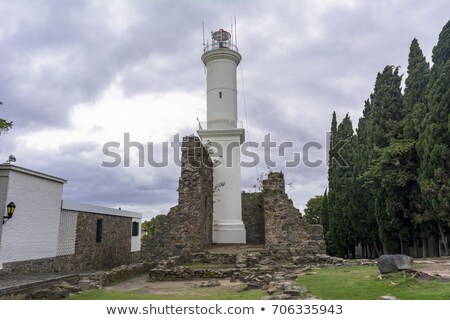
(258, 270)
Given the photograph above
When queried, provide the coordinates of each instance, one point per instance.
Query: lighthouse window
(220, 94)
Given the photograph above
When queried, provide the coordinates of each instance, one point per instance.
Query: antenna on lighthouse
(203, 25)
(235, 32)
(231, 30)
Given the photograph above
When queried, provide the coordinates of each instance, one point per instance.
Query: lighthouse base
(229, 231)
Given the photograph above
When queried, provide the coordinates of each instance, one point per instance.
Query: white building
(44, 227)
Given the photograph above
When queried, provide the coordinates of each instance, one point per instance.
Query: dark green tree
(434, 143)
(152, 226)
(385, 127)
(415, 105)
(313, 210)
(324, 213)
(4, 125)
(341, 233)
(386, 110)
(418, 76)
(441, 52)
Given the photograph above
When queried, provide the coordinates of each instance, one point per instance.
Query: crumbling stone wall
(285, 228)
(270, 217)
(253, 216)
(188, 226)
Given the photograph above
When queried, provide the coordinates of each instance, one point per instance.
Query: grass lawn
(361, 283)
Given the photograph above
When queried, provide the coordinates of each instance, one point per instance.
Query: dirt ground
(433, 266)
(141, 285)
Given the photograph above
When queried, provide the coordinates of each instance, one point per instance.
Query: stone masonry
(285, 228)
(188, 226)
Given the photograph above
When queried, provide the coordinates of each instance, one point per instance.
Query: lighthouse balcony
(220, 45)
(202, 125)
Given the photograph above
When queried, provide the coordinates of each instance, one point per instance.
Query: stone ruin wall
(285, 228)
(188, 226)
(269, 216)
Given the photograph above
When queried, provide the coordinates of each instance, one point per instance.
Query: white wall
(67, 233)
(33, 231)
(136, 241)
(3, 194)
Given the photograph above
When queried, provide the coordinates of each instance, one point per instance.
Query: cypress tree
(341, 232)
(384, 127)
(386, 110)
(434, 143)
(415, 99)
(417, 81)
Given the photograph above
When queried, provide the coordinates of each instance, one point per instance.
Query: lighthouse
(223, 136)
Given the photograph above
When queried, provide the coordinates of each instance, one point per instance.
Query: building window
(135, 229)
(99, 231)
(220, 94)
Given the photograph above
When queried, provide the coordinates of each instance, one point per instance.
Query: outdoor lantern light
(10, 208)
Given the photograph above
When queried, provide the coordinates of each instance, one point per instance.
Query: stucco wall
(33, 232)
(136, 241)
(3, 194)
(67, 232)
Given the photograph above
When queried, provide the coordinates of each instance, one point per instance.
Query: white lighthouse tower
(222, 134)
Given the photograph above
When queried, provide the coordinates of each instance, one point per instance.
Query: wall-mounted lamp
(10, 208)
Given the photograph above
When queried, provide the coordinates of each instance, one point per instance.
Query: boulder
(393, 263)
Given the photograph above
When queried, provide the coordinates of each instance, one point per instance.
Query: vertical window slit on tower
(220, 94)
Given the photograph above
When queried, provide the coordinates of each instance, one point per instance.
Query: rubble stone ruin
(270, 217)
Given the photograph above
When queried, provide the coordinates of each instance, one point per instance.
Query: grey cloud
(82, 51)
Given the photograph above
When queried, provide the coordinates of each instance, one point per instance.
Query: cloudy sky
(75, 75)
